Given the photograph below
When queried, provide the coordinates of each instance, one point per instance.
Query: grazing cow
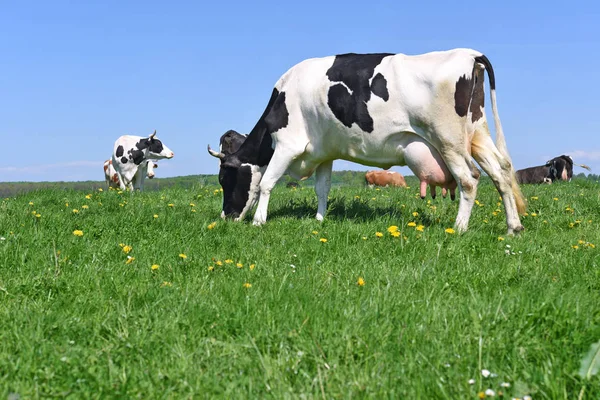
(131, 155)
(112, 178)
(384, 178)
(557, 169)
(366, 108)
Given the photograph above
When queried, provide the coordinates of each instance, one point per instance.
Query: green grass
(436, 308)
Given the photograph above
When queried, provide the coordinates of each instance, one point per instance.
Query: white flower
(505, 384)
(2, 238)
(526, 397)
(508, 246)
(485, 373)
(507, 252)
(471, 381)
(490, 393)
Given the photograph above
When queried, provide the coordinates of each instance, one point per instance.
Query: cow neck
(257, 149)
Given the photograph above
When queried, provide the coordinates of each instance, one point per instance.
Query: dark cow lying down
(368, 108)
(557, 169)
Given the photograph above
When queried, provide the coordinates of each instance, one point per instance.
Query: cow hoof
(258, 223)
(422, 197)
(515, 231)
(433, 197)
(320, 218)
(452, 197)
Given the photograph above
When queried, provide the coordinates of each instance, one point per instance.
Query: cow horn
(215, 153)
(154, 134)
(584, 166)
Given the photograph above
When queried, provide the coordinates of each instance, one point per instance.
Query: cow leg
(500, 170)
(322, 187)
(423, 189)
(467, 176)
(281, 160)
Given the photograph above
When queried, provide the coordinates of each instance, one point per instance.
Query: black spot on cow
(478, 99)
(354, 71)
(124, 159)
(462, 95)
(277, 118)
(137, 156)
(379, 87)
(119, 151)
(469, 95)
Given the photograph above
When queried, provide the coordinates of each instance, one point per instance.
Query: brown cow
(384, 178)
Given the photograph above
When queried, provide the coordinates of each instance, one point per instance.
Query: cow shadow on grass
(341, 208)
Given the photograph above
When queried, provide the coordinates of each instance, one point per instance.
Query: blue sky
(75, 75)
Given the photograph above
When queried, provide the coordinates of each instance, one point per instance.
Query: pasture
(105, 294)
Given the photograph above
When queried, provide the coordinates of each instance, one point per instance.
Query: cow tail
(500, 140)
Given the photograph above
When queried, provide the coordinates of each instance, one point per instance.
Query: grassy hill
(108, 295)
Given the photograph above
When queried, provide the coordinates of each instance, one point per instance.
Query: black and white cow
(557, 169)
(368, 108)
(131, 155)
(112, 178)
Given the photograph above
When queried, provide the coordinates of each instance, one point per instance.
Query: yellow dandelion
(66, 204)
(211, 268)
(571, 225)
(495, 213)
(252, 266)
(323, 240)
(555, 198)
(395, 233)
(360, 281)
(315, 232)
(592, 245)
(378, 234)
(171, 205)
(544, 222)
(154, 267)
(212, 225)
(193, 210)
(119, 192)
(155, 215)
(575, 246)
(182, 256)
(228, 261)
(33, 212)
(31, 203)
(364, 238)
(357, 197)
(411, 224)
(75, 211)
(192, 205)
(450, 231)
(415, 214)
(500, 238)
(100, 190)
(38, 215)
(534, 214)
(392, 228)
(485, 221)
(581, 241)
(130, 260)
(78, 232)
(127, 249)
(219, 263)
(247, 285)
(534, 197)
(88, 196)
(420, 228)
(166, 284)
(85, 207)
(239, 265)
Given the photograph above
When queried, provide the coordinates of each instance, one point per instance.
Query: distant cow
(131, 155)
(365, 108)
(385, 178)
(112, 178)
(557, 169)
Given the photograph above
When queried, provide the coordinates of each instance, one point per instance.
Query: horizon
(75, 77)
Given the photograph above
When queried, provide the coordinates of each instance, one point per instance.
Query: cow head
(151, 167)
(240, 182)
(561, 168)
(153, 148)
